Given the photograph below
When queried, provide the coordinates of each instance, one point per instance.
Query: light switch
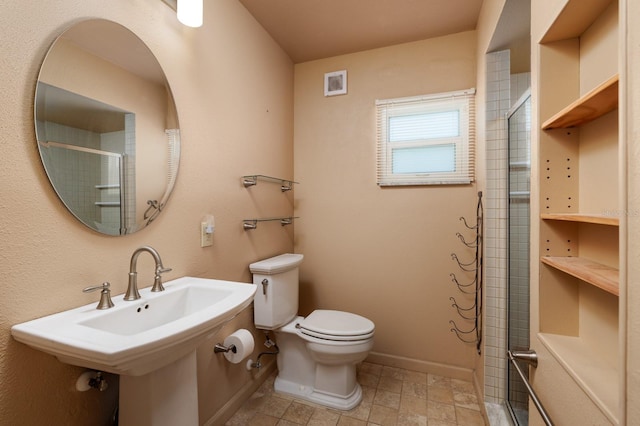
(206, 233)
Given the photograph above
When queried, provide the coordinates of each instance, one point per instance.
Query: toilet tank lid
(275, 265)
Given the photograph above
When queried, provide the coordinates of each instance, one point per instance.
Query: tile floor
(392, 396)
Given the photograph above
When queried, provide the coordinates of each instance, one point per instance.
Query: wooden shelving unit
(598, 102)
(593, 105)
(596, 274)
(582, 218)
(579, 282)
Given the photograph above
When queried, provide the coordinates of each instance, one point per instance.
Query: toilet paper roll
(243, 341)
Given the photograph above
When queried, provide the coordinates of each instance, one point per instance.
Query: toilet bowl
(318, 354)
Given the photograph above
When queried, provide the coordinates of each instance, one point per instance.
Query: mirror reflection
(107, 127)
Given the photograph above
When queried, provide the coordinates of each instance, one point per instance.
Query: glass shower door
(519, 128)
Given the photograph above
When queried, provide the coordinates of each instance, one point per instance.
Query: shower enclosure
(92, 182)
(519, 157)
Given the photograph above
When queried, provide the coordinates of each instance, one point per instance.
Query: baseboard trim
(421, 366)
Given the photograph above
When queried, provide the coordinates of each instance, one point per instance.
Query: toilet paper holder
(220, 348)
(236, 347)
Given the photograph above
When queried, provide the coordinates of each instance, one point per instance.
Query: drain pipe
(268, 343)
(91, 380)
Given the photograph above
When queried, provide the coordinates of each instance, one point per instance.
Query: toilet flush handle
(265, 283)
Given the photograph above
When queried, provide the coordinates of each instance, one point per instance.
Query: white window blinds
(426, 140)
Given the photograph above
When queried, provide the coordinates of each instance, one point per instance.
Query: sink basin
(135, 338)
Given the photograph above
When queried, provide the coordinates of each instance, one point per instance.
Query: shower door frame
(526, 97)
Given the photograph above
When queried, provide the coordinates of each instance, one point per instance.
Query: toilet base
(308, 393)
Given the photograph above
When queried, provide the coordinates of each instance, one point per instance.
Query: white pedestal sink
(149, 342)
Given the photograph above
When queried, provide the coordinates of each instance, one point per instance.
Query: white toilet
(318, 354)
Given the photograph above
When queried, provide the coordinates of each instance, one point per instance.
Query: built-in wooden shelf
(596, 274)
(598, 102)
(583, 218)
(578, 299)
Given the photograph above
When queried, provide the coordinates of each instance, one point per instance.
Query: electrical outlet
(206, 239)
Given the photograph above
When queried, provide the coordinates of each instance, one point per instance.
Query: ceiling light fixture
(190, 12)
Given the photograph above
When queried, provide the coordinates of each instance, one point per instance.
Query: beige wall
(382, 253)
(233, 90)
(630, 74)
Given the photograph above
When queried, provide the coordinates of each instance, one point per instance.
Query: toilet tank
(276, 300)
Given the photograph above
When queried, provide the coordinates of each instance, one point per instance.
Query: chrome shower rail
(529, 357)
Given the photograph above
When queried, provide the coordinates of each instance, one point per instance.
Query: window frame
(464, 144)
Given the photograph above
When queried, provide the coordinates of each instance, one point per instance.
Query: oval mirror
(107, 127)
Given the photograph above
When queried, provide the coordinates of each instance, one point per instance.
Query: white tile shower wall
(496, 210)
(519, 84)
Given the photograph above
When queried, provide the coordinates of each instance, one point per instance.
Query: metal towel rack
(252, 180)
(285, 185)
(474, 312)
(531, 358)
(248, 224)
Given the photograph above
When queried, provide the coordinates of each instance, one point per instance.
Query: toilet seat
(336, 326)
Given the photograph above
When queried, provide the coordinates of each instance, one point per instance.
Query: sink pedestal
(165, 397)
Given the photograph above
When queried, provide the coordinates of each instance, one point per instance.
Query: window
(426, 140)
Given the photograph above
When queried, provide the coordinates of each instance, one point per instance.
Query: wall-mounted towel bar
(251, 180)
(253, 223)
(531, 358)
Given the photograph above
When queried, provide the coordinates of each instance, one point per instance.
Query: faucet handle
(105, 295)
(162, 270)
(157, 282)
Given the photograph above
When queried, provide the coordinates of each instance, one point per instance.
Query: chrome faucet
(132, 290)
(105, 295)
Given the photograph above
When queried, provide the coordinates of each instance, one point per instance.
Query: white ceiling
(315, 29)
